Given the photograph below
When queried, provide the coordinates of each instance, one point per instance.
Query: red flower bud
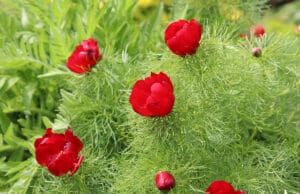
(59, 152)
(256, 51)
(222, 187)
(258, 30)
(85, 56)
(153, 96)
(164, 181)
(182, 37)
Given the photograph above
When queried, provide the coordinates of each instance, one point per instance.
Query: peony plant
(235, 115)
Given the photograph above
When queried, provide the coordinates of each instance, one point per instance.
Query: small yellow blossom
(165, 18)
(167, 2)
(101, 5)
(147, 3)
(231, 13)
(234, 14)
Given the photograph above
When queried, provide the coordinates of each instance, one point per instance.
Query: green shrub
(236, 117)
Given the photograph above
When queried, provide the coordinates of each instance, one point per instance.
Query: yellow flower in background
(231, 13)
(167, 2)
(144, 8)
(234, 15)
(147, 3)
(101, 4)
(165, 18)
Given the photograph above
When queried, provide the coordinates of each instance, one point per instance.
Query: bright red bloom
(258, 30)
(164, 181)
(85, 56)
(222, 187)
(153, 96)
(59, 152)
(182, 37)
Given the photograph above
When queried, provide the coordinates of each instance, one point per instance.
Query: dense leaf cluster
(236, 117)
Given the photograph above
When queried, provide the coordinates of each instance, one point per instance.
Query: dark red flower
(182, 37)
(59, 152)
(164, 181)
(153, 96)
(258, 30)
(222, 187)
(85, 56)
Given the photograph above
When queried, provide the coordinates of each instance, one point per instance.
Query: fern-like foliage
(236, 117)
(28, 100)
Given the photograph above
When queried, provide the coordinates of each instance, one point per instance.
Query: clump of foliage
(28, 98)
(235, 116)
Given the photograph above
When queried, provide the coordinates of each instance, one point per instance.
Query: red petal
(196, 28)
(160, 107)
(73, 144)
(220, 187)
(161, 101)
(151, 80)
(175, 45)
(90, 44)
(48, 147)
(183, 38)
(153, 96)
(165, 81)
(76, 165)
(139, 94)
(76, 66)
(61, 164)
(173, 29)
(84, 57)
(58, 151)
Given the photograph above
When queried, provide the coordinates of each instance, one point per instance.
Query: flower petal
(220, 187)
(58, 152)
(182, 37)
(84, 57)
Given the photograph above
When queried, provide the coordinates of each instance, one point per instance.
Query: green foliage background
(236, 117)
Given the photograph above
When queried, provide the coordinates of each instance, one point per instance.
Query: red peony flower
(222, 187)
(59, 152)
(153, 96)
(164, 181)
(182, 37)
(84, 57)
(258, 30)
